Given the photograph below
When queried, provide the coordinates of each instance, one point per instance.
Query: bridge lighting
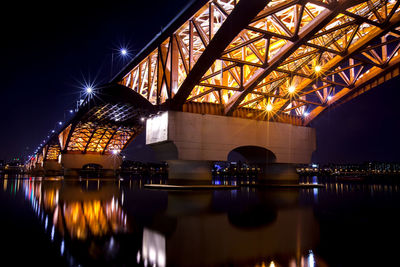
(71, 111)
(142, 118)
(89, 90)
(291, 89)
(60, 123)
(317, 68)
(329, 97)
(269, 107)
(52, 131)
(305, 114)
(124, 52)
(115, 151)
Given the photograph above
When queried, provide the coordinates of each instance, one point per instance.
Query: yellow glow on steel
(244, 58)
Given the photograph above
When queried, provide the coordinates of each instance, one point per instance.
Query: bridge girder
(277, 59)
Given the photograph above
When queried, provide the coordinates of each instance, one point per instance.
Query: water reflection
(118, 222)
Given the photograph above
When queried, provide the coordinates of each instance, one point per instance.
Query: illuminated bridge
(246, 76)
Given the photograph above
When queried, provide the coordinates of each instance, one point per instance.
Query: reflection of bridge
(258, 71)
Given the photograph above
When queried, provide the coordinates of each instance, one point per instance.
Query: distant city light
(124, 52)
(269, 107)
(52, 131)
(142, 118)
(318, 68)
(60, 122)
(71, 111)
(89, 89)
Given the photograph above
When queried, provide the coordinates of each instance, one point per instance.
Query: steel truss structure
(275, 60)
(91, 136)
(279, 60)
(106, 122)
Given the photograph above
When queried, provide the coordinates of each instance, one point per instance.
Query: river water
(117, 222)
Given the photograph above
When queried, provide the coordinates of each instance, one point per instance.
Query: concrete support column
(52, 168)
(73, 163)
(38, 170)
(189, 171)
(279, 173)
(189, 142)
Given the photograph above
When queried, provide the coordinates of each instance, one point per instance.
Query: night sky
(48, 52)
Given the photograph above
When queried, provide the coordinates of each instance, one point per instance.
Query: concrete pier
(74, 162)
(181, 138)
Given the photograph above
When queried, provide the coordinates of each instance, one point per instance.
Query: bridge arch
(92, 166)
(253, 154)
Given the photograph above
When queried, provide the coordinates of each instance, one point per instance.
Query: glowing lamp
(291, 89)
(318, 68)
(89, 90)
(329, 97)
(115, 152)
(305, 114)
(124, 52)
(269, 107)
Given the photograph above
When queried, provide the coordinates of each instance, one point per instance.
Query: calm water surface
(119, 223)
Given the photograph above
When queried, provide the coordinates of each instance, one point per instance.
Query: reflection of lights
(152, 255)
(311, 261)
(138, 257)
(52, 233)
(153, 248)
(315, 191)
(46, 221)
(272, 264)
(62, 248)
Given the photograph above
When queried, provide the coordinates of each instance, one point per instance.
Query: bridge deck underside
(104, 129)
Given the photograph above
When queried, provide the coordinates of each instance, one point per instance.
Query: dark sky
(49, 51)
